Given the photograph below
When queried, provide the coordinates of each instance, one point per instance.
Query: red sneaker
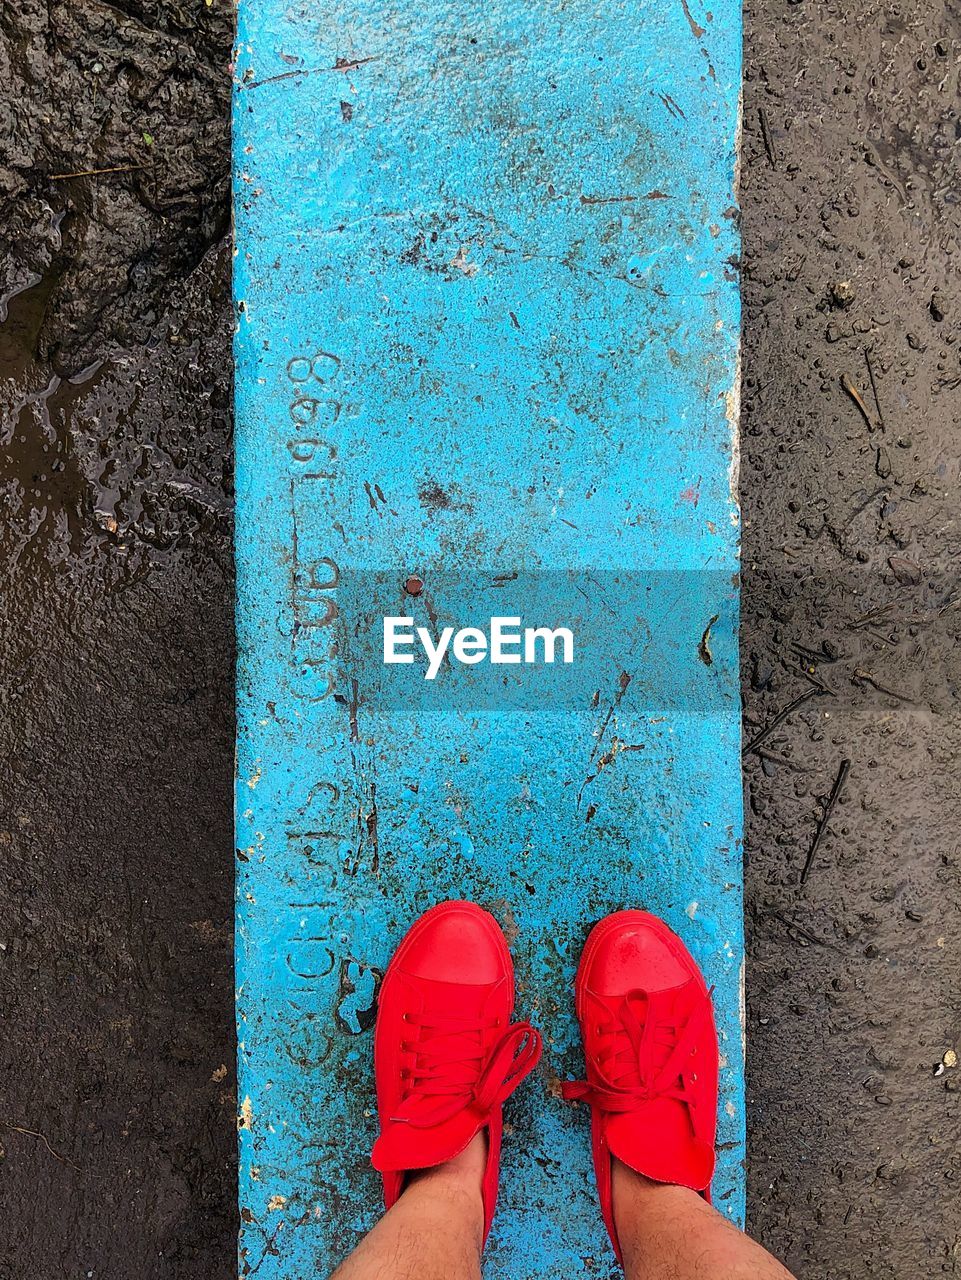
(651, 1053)
(445, 1054)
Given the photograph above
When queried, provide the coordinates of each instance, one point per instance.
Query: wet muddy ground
(116, 1101)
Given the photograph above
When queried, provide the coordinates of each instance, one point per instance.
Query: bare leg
(435, 1230)
(672, 1233)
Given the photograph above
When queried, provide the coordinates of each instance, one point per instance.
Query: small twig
(868, 678)
(768, 140)
(781, 715)
(32, 1133)
(825, 817)
(800, 929)
(814, 655)
(856, 396)
(785, 760)
(876, 635)
(94, 173)
(878, 493)
(873, 615)
(813, 680)
(874, 388)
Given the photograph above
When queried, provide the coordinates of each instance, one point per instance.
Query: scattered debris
(905, 570)
(841, 293)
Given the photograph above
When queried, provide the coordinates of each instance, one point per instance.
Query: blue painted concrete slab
(487, 338)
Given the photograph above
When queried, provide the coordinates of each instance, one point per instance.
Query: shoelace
(455, 1077)
(678, 1033)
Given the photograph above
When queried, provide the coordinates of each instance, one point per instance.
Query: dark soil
(116, 1059)
(117, 1103)
(851, 555)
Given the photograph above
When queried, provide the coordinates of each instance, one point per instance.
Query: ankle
(636, 1198)
(461, 1177)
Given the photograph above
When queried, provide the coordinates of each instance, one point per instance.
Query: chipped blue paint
(487, 335)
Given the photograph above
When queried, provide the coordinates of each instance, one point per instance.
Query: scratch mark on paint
(623, 682)
(696, 29)
(342, 64)
(704, 648)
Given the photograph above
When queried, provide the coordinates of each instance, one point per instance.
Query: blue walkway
(487, 340)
